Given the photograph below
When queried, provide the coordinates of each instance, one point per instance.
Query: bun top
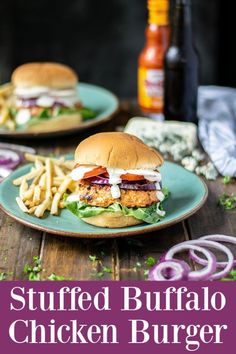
(53, 75)
(117, 150)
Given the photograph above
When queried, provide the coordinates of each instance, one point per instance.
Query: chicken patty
(97, 195)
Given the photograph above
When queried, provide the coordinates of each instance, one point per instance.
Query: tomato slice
(96, 172)
(130, 177)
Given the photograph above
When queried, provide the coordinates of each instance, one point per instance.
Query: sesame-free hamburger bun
(52, 75)
(119, 151)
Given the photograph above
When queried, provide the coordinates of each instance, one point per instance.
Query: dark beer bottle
(181, 68)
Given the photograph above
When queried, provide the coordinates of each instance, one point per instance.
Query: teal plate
(187, 194)
(104, 102)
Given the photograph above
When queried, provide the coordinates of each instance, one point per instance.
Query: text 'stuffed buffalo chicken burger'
(45, 97)
(118, 181)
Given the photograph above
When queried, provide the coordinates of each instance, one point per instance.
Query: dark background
(101, 39)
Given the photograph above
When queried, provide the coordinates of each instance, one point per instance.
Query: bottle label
(150, 88)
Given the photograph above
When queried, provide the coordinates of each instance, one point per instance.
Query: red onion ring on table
(202, 274)
(210, 244)
(217, 238)
(170, 271)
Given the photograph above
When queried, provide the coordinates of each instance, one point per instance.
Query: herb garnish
(102, 269)
(227, 179)
(231, 276)
(3, 276)
(34, 271)
(228, 202)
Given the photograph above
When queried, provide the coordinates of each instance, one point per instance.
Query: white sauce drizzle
(73, 198)
(45, 96)
(23, 116)
(79, 172)
(160, 212)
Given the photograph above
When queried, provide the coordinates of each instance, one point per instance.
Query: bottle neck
(182, 24)
(158, 12)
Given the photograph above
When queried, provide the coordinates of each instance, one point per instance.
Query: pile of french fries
(43, 187)
(6, 98)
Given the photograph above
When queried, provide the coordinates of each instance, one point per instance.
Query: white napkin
(217, 126)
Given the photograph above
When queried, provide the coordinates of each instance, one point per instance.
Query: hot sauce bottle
(150, 62)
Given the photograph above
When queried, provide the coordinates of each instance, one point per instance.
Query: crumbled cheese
(198, 155)
(208, 171)
(190, 163)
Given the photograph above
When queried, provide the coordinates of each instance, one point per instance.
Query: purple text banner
(117, 317)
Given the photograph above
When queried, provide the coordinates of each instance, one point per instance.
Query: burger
(117, 182)
(45, 97)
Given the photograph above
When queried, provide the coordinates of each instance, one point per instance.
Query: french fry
(59, 172)
(22, 205)
(4, 115)
(32, 158)
(42, 181)
(54, 190)
(36, 196)
(38, 164)
(39, 211)
(28, 176)
(6, 89)
(29, 193)
(23, 188)
(69, 164)
(48, 177)
(57, 197)
(32, 210)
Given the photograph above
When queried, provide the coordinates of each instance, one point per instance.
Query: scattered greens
(231, 276)
(3, 276)
(34, 271)
(150, 262)
(102, 270)
(227, 180)
(55, 277)
(228, 202)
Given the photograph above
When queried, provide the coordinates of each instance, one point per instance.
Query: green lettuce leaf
(148, 214)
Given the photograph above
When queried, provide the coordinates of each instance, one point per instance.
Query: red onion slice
(211, 244)
(9, 159)
(131, 185)
(202, 274)
(172, 270)
(217, 238)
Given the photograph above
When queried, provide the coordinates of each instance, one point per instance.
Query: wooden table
(126, 256)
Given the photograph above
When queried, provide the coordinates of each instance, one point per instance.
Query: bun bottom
(112, 220)
(65, 121)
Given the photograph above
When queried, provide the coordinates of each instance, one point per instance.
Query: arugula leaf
(87, 113)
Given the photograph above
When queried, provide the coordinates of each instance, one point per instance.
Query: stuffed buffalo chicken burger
(45, 97)
(117, 181)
